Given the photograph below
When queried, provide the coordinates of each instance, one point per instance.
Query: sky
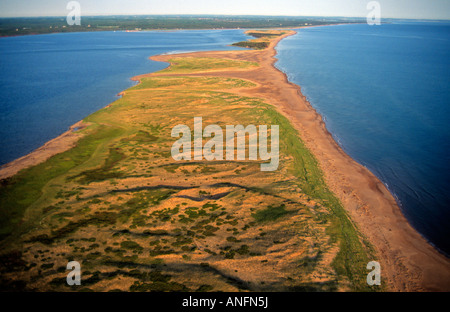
(417, 9)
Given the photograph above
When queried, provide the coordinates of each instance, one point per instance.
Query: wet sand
(408, 261)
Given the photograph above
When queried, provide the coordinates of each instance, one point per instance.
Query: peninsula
(110, 196)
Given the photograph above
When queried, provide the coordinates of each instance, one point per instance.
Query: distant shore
(408, 261)
(13, 26)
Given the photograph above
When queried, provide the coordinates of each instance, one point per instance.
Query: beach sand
(408, 261)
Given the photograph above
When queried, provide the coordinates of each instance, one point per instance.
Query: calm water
(384, 94)
(49, 82)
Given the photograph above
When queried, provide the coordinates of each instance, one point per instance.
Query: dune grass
(262, 41)
(205, 83)
(25, 188)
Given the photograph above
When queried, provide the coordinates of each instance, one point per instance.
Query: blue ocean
(49, 82)
(384, 92)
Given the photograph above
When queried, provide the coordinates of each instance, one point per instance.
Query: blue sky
(429, 9)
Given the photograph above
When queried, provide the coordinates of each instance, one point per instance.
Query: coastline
(407, 259)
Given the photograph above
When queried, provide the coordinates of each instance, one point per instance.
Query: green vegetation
(257, 45)
(191, 65)
(206, 83)
(131, 245)
(263, 34)
(271, 213)
(105, 171)
(20, 191)
(262, 41)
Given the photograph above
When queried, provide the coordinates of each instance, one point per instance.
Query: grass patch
(132, 137)
(271, 213)
(105, 172)
(202, 83)
(130, 245)
(23, 189)
(182, 65)
(257, 45)
(354, 254)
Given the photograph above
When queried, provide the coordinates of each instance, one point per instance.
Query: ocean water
(49, 82)
(384, 92)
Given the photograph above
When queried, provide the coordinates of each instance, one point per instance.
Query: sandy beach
(408, 261)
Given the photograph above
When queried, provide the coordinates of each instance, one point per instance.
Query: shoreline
(408, 260)
(426, 265)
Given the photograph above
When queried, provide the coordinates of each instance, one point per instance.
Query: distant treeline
(42, 25)
(252, 45)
